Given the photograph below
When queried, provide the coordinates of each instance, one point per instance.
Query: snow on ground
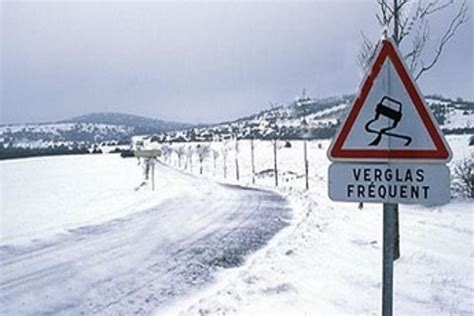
(456, 118)
(137, 258)
(329, 260)
(50, 194)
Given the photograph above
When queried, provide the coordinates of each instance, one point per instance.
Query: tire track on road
(138, 263)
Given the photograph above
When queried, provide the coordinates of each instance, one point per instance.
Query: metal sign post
(390, 150)
(152, 155)
(387, 269)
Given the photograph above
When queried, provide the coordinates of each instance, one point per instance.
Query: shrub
(463, 178)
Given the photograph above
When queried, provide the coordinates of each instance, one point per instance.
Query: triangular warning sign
(389, 119)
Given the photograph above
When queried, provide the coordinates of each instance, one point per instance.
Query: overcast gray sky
(193, 61)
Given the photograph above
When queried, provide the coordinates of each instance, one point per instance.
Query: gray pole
(225, 162)
(388, 235)
(396, 222)
(252, 157)
(237, 174)
(153, 176)
(306, 171)
(275, 162)
(390, 212)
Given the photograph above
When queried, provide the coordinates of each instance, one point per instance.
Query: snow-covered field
(328, 261)
(48, 195)
(78, 240)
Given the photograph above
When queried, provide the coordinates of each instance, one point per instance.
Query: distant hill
(140, 124)
(316, 119)
(84, 131)
(305, 117)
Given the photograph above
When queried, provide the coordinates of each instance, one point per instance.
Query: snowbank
(49, 195)
(328, 261)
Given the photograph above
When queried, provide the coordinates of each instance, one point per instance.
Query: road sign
(381, 149)
(147, 153)
(389, 119)
(389, 183)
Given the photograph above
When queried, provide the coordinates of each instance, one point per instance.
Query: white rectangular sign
(389, 183)
(147, 153)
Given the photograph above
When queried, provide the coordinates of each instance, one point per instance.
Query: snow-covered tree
(166, 151)
(225, 153)
(236, 157)
(189, 158)
(203, 151)
(180, 152)
(215, 156)
(252, 159)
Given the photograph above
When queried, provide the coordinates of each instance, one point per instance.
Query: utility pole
(252, 157)
(275, 161)
(237, 174)
(306, 166)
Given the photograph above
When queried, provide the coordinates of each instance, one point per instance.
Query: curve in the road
(133, 265)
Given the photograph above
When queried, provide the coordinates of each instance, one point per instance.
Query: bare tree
(166, 151)
(225, 153)
(236, 156)
(410, 21)
(275, 159)
(463, 178)
(180, 152)
(215, 155)
(203, 152)
(252, 159)
(189, 158)
(275, 135)
(305, 136)
(306, 164)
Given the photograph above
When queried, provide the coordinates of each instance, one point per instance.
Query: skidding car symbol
(391, 109)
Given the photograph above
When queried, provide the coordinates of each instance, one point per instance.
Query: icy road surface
(143, 261)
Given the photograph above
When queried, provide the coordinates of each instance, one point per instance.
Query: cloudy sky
(193, 61)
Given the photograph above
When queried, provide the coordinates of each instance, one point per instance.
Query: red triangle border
(441, 153)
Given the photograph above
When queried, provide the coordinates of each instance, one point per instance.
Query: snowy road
(143, 261)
